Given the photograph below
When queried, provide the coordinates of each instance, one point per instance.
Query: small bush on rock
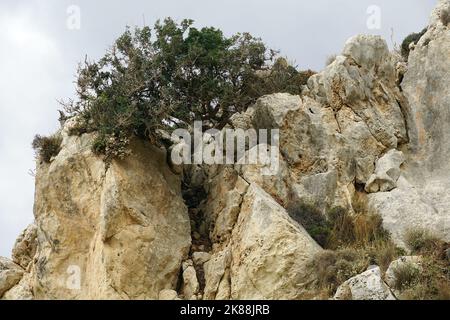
(332, 268)
(431, 282)
(405, 275)
(47, 147)
(421, 241)
(314, 222)
(412, 38)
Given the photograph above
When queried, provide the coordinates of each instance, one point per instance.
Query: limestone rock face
(266, 255)
(269, 250)
(120, 232)
(422, 199)
(367, 286)
(23, 290)
(387, 172)
(191, 286)
(10, 275)
(369, 126)
(350, 115)
(167, 294)
(25, 247)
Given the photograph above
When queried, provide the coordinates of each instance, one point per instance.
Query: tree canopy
(170, 76)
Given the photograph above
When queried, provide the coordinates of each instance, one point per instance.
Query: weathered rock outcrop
(368, 285)
(422, 198)
(266, 255)
(10, 275)
(360, 130)
(25, 247)
(120, 232)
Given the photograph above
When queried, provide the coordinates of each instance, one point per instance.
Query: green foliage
(47, 147)
(412, 38)
(280, 78)
(314, 222)
(169, 76)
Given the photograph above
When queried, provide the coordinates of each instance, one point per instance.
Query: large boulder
(266, 256)
(349, 116)
(108, 232)
(10, 275)
(390, 277)
(269, 251)
(368, 285)
(25, 247)
(387, 172)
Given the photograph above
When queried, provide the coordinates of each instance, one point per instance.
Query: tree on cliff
(171, 75)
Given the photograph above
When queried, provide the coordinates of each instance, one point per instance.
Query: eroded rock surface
(368, 285)
(422, 200)
(120, 232)
(10, 275)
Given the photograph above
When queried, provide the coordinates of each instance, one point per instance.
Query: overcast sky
(41, 44)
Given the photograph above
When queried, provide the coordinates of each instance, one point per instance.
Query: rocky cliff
(369, 133)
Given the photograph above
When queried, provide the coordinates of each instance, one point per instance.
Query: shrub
(358, 240)
(169, 76)
(412, 38)
(432, 282)
(338, 228)
(383, 252)
(314, 222)
(421, 241)
(47, 147)
(332, 268)
(354, 230)
(405, 275)
(343, 231)
(281, 77)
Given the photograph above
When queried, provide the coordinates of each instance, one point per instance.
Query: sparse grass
(332, 268)
(383, 252)
(422, 241)
(356, 241)
(432, 282)
(405, 275)
(47, 147)
(338, 228)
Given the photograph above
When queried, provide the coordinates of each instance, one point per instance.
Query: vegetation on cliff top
(167, 77)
